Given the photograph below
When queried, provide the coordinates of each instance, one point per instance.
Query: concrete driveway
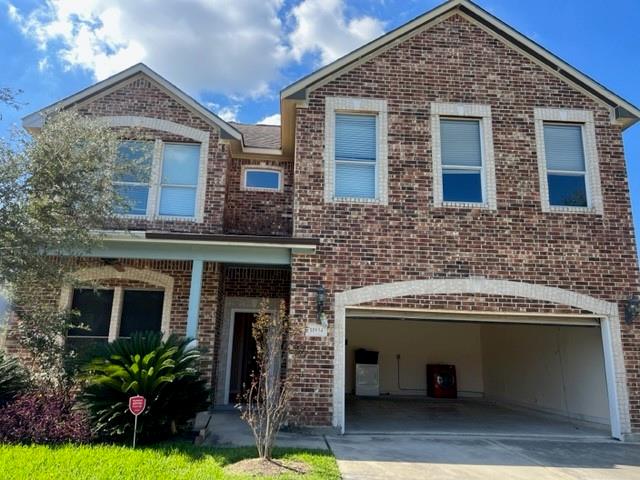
(386, 457)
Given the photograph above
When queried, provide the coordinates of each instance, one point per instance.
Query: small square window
(262, 179)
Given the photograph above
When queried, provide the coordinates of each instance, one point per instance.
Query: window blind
(563, 147)
(460, 142)
(179, 181)
(355, 156)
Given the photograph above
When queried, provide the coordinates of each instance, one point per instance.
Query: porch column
(194, 298)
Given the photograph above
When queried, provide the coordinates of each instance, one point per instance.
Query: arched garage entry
(606, 313)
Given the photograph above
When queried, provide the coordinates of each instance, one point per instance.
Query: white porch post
(194, 298)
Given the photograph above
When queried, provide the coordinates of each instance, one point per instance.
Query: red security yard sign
(137, 405)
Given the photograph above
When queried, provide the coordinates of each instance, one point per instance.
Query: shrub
(13, 379)
(164, 372)
(43, 417)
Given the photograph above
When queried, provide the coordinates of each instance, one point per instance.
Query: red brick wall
(257, 282)
(456, 61)
(180, 271)
(256, 212)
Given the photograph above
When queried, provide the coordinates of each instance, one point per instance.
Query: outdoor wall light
(320, 299)
(631, 309)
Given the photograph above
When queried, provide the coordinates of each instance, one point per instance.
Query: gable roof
(36, 119)
(260, 135)
(624, 111)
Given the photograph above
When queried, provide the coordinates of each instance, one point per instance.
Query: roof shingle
(259, 136)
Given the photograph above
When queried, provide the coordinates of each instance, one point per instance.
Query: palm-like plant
(13, 379)
(164, 372)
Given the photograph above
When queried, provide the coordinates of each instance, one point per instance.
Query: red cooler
(441, 381)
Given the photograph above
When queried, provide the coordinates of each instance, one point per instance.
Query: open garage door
(517, 374)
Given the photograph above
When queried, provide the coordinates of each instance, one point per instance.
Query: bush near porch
(173, 460)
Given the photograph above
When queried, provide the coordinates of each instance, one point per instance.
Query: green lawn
(164, 461)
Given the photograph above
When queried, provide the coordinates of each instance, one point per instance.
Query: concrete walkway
(389, 457)
(226, 428)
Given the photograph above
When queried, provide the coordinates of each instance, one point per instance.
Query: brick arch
(476, 285)
(106, 272)
(608, 311)
(157, 124)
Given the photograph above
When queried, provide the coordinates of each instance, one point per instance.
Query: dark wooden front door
(243, 355)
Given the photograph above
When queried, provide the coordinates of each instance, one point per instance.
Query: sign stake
(137, 404)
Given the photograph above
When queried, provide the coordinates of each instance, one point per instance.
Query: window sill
(266, 190)
(481, 206)
(363, 201)
(152, 218)
(583, 210)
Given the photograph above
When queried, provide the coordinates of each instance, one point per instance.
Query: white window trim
(349, 105)
(592, 167)
(198, 136)
(463, 111)
(261, 168)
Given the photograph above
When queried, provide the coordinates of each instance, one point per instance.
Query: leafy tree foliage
(56, 193)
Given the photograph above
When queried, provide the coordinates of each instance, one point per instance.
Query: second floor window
(355, 156)
(179, 182)
(160, 180)
(462, 169)
(566, 167)
(255, 178)
(132, 183)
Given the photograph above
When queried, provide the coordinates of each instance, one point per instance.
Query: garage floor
(461, 416)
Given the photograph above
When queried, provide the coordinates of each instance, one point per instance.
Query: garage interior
(516, 374)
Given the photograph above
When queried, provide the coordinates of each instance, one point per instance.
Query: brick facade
(409, 234)
(455, 61)
(257, 212)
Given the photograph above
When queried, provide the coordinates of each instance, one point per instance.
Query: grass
(179, 460)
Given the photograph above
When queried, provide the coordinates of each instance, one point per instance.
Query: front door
(243, 355)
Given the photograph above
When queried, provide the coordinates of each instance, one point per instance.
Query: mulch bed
(257, 466)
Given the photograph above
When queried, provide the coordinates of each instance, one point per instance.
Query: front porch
(205, 287)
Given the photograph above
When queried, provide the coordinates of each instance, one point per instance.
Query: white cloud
(322, 26)
(228, 113)
(228, 47)
(271, 120)
(237, 48)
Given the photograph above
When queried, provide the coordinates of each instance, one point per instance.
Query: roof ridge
(254, 124)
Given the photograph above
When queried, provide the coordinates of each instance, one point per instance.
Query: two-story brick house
(448, 193)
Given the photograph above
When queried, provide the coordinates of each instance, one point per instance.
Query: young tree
(55, 193)
(265, 404)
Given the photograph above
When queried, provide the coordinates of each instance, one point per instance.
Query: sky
(235, 56)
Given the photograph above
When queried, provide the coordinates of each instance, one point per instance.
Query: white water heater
(367, 380)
